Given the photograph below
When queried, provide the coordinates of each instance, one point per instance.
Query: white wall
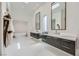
(72, 18)
(0, 30)
(21, 16)
(44, 11)
(18, 11)
(20, 26)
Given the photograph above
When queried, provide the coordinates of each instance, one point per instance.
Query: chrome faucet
(57, 29)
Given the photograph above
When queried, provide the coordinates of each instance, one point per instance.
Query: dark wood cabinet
(63, 44)
(68, 46)
(35, 35)
(60, 43)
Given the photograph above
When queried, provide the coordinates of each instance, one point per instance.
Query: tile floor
(23, 46)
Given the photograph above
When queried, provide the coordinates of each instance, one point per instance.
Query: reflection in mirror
(45, 25)
(58, 16)
(37, 21)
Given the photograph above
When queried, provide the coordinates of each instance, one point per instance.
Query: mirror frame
(65, 17)
(37, 19)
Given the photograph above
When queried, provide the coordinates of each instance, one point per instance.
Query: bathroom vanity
(35, 35)
(60, 42)
(66, 41)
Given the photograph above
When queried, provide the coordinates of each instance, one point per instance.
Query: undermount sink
(64, 35)
(67, 36)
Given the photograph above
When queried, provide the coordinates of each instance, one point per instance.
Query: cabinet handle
(66, 47)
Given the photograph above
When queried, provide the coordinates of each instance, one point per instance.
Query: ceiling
(34, 5)
(22, 10)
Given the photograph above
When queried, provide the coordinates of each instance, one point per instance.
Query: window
(45, 24)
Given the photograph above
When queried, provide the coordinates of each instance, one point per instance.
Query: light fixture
(55, 6)
(26, 2)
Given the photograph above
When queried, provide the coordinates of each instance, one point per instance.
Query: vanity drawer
(53, 41)
(56, 42)
(68, 50)
(68, 46)
(68, 43)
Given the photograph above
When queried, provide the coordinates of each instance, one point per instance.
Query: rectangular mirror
(37, 21)
(58, 16)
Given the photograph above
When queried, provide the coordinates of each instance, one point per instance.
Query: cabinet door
(35, 35)
(63, 44)
(54, 41)
(68, 46)
(68, 43)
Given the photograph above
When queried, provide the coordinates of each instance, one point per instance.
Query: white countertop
(68, 37)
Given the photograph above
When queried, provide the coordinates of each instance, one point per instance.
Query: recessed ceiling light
(26, 2)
